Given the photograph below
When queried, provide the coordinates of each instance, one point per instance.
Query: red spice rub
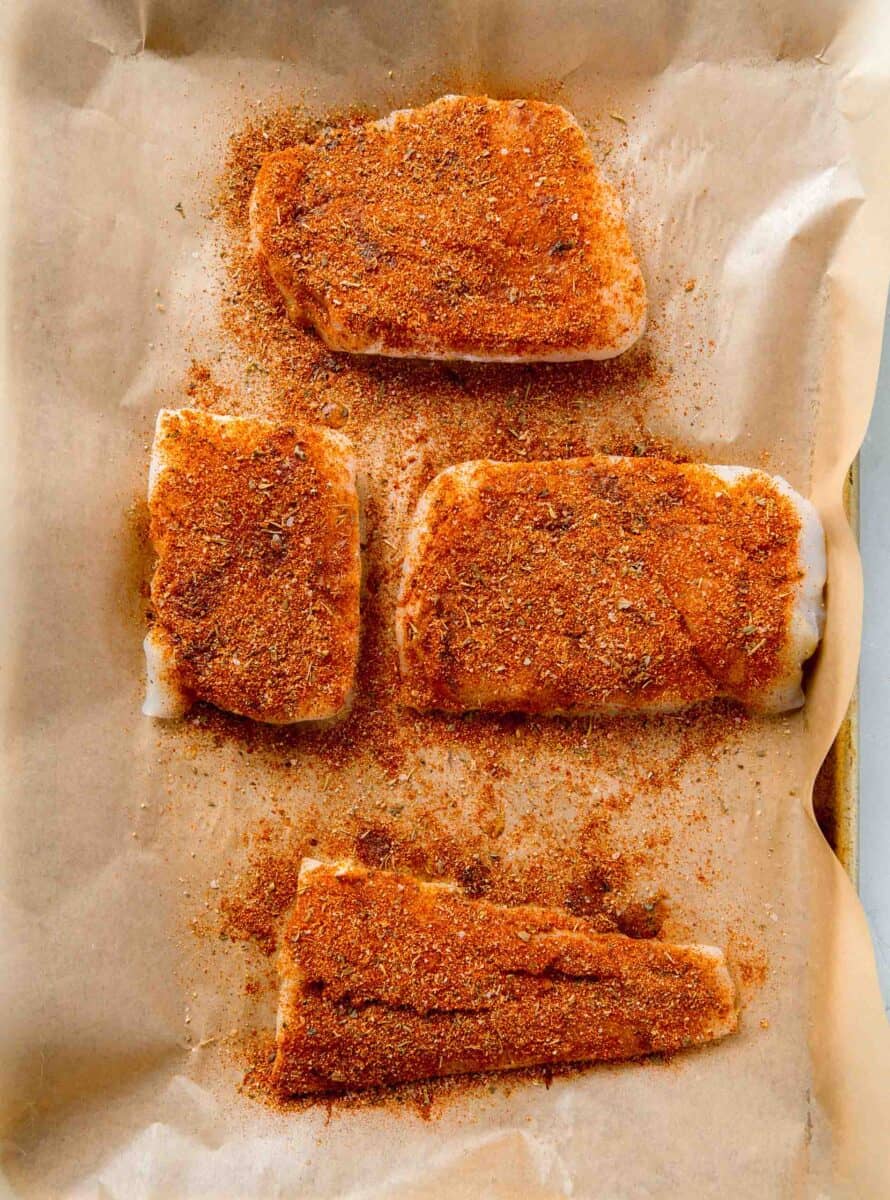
(596, 584)
(387, 979)
(468, 228)
(256, 590)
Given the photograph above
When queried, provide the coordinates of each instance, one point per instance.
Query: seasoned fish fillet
(387, 979)
(594, 585)
(470, 228)
(256, 588)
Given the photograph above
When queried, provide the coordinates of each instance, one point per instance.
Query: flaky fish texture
(467, 229)
(603, 584)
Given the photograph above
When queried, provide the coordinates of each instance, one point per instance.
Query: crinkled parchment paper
(755, 159)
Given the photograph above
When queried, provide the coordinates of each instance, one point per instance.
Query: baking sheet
(836, 790)
(752, 151)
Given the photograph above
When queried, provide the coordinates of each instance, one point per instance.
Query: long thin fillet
(386, 979)
(603, 584)
(470, 228)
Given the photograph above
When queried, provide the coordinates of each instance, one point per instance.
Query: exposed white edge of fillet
(557, 356)
(350, 868)
(807, 617)
(722, 1026)
(164, 698)
(806, 620)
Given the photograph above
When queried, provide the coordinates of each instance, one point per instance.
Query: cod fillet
(386, 979)
(256, 588)
(595, 585)
(470, 228)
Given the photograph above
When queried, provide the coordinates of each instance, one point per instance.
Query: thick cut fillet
(256, 588)
(593, 585)
(471, 228)
(386, 979)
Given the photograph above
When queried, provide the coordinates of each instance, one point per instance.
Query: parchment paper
(755, 159)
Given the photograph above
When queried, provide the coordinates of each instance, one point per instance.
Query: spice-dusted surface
(468, 228)
(386, 978)
(126, 1079)
(255, 594)
(587, 585)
